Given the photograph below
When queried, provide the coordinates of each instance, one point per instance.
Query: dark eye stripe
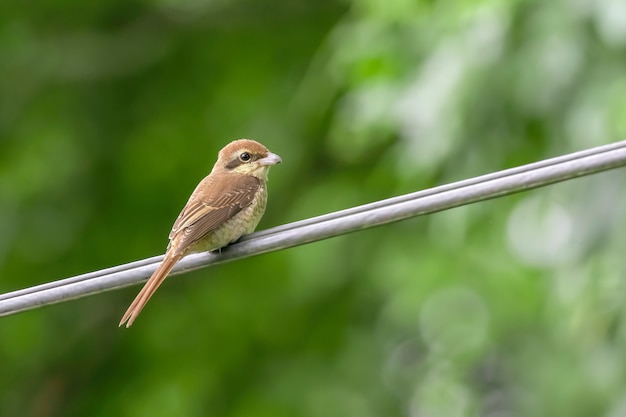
(235, 161)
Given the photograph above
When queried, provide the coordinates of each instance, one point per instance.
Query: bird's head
(247, 157)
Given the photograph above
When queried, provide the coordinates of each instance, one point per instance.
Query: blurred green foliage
(111, 112)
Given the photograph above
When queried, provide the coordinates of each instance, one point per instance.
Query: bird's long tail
(149, 288)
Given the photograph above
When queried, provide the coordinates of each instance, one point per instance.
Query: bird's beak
(270, 159)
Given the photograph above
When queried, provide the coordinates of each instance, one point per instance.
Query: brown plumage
(227, 204)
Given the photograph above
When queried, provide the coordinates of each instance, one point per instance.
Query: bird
(227, 204)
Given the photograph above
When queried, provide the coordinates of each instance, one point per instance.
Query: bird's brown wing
(216, 199)
(212, 204)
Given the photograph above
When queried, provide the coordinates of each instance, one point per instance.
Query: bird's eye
(245, 156)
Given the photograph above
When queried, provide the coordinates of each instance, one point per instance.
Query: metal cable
(459, 193)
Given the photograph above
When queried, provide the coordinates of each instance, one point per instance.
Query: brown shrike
(227, 204)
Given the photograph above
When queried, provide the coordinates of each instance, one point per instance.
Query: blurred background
(112, 111)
